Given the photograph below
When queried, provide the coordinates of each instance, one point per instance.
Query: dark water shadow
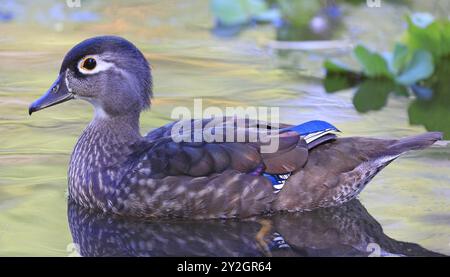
(348, 230)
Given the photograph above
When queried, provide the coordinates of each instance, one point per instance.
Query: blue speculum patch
(311, 131)
(313, 126)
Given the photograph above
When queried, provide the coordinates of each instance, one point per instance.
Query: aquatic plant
(419, 66)
(293, 20)
(426, 41)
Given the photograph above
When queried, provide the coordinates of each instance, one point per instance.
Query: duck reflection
(348, 230)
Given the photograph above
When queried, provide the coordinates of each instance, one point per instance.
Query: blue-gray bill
(58, 93)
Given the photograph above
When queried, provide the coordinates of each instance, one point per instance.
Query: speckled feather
(156, 177)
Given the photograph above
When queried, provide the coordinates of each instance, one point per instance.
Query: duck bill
(58, 93)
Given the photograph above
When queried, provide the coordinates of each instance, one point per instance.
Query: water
(409, 199)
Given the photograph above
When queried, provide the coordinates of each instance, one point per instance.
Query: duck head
(107, 71)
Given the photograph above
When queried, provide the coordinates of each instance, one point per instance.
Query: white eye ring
(101, 65)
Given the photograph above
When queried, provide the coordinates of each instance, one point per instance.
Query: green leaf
(339, 76)
(299, 12)
(237, 12)
(332, 66)
(420, 67)
(336, 83)
(229, 12)
(374, 65)
(268, 16)
(399, 58)
(433, 37)
(256, 7)
(434, 112)
(372, 95)
(401, 90)
(430, 114)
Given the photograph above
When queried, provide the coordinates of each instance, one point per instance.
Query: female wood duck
(114, 169)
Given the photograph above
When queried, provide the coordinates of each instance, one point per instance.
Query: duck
(116, 170)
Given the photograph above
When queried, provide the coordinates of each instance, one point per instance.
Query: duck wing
(167, 156)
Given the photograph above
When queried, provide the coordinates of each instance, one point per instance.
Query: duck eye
(89, 64)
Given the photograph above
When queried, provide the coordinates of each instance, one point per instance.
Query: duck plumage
(115, 169)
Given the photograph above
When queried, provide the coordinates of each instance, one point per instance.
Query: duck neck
(106, 142)
(121, 129)
(100, 156)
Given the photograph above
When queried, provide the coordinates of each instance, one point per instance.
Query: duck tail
(414, 142)
(339, 171)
